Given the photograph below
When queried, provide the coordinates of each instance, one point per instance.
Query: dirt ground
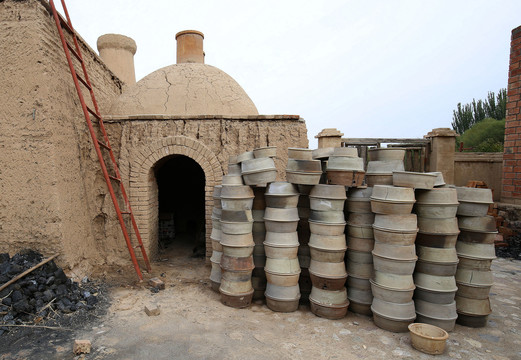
(193, 324)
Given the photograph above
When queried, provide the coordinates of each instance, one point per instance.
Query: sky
(370, 68)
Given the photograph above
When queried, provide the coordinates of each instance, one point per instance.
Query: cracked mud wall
(51, 191)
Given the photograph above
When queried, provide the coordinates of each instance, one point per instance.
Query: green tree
(466, 116)
(485, 136)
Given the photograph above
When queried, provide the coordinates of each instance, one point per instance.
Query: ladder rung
(115, 178)
(93, 113)
(73, 52)
(138, 246)
(102, 144)
(66, 25)
(126, 212)
(82, 80)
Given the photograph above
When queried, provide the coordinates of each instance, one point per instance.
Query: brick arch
(143, 186)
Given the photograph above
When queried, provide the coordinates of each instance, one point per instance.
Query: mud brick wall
(512, 154)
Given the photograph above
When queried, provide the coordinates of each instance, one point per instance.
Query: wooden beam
(18, 277)
(374, 141)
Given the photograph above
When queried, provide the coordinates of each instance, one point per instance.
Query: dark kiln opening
(181, 183)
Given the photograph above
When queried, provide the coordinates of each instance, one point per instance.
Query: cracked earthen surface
(185, 89)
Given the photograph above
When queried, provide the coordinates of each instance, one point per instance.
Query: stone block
(81, 347)
(152, 310)
(157, 283)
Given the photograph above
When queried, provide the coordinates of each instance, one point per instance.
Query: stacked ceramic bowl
(281, 247)
(258, 171)
(304, 255)
(360, 243)
(215, 237)
(258, 278)
(475, 247)
(382, 163)
(344, 167)
(301, 168)
(237, 244)
(394, 257)
(437, 258)
(233, 177)
(327, 245)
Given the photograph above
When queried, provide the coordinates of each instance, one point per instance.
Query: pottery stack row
(382, 163)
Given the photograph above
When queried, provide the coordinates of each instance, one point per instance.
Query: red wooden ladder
(99, 145)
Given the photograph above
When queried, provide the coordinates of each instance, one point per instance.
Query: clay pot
(472, 321)
(360, 244)
(280, 251)
(477, 237)
(361, 219)
(393, 265)
(237, 240)
(329, 304)
(473, 307)
(281, 220)
(434, 288)
(360, 301)
(282, 298)
(232, 180)
(436, 240)
(215, 274)
(482, 224)
(282, 272)
(395, 295)
(300, 154)
(238, 301)
(236, 222)
(474, 264)
(392, 200)
(327, 198)
(327, 255)
(360, 231)
(428, 338)
(394, 237)
(378, 179)
(384, 167)
(358, 205)
(236, 197)
(237, 251)
(439, 182)
(436, 211)
(264, 152)
(474, 284)
(235, 282)
(232, 159)
(393, 281)
(322, 228)
(322, 153)
(386, 154)
(304, 166)
(281, 239)
(360, 257)
(345, 151)
(358, 283)
(217, 196)
(327, 275)
(216, 214)
(327, 248)
(345, 163)
(216, 245)
(258, 171)
(436, 261)
(360, 270)
(248, 155)
(438, 226)
(282, 195)
(395, 252)
(441, 315)
(234, 169)
(476, 250)
(416, 180)
(393, 317)
(473, 201)
(437, 203)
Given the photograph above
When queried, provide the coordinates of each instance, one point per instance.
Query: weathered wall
(512, 154)
(50, 186)
(485, 167)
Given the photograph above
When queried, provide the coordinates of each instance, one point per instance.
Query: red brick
(516, 195)
(509, 143)
(515, 65)
(508, 181)
(508, 169)
(514, 111)
(516, 97)
(510, 163)
(508, 156)
(506, 193)
(515, 72)
(513, 91)
(509, 175)
(512, 122)
(509, 188)
(518, 162)
(510, 134)
(517, 169)
(517, 182)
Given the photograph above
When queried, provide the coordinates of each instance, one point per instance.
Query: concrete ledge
(153, 117)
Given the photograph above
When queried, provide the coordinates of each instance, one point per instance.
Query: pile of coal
(513, 250)
(44, 293)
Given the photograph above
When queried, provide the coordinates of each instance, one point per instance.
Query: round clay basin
(322, 153)
(264, 152)
(236, 216)
(472, 321)
(282, 267)
(248, 155)
(360, 308)
(261, 178)
(361, 219)
(392, 194)
(304, 166)
(348, 178)
(233, 282)
(438, 241)
(473, 291)
(303, 178)
(216, 257)
(238, 264)
(440, 196)
(484, 224)
(237, 240)
(237, 301)
(436, 268)
(393, 281)
(360, 296)
(217, 191)
(215, 276)
(415, 180)
(436, 211)
(360, 257)
(328, 297)
(447, 325)
(359, 194)
(395, 252)
(358, 206)
(236, 192)
(396, 223)
(467, 208)
(345, 163)
(360, 231)
(437, 255)
(216, 245)
(391, 207)
(327, 255)
(322, 228)
(234, 169)
(358, 283)
(281, 220)
(232, 180)
(326, 282)
(477, 237)
(360, 244)
(428, 338)
(359, 270)
(236, 228)
(320, 204)
(379, 167)
(435, 283)
(237, 251)
(216, 223)
(386, 154)
(392, 316)
(281, 239)
(345, 151)
(436, 311)
(282, 305)
(474, 277)
(216, 213)
(476, 250)
(476, 195)
(329, 217)
(281, 201)
(300, 153)
(378, 179)
(473, 307)
(277, 292)
(216, 234)
(393, 266)
(331, 312)
(474, 264)
(217, 203)
(328, 269)
(237, 204)
(304, 190)
(434, 297)
(438, 226)
(333, 192)
(281, 188)
(328, 242)
(280, 251)
(395, 295)
(394, 237)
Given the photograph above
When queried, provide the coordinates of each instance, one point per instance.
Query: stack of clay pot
(304, 255)
(281, 247)
(301, 168)
(394, 257)
(258, 278)
(215, 237)
(327, 246)
(475, 247)
(360, 243)
(260, 170)
(382, 163)
(344, 167)
(435, 246)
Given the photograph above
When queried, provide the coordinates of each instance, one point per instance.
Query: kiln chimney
(190, 47)
(117, 51)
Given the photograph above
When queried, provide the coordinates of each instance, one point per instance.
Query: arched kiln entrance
(181, 220)
(144, 190)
